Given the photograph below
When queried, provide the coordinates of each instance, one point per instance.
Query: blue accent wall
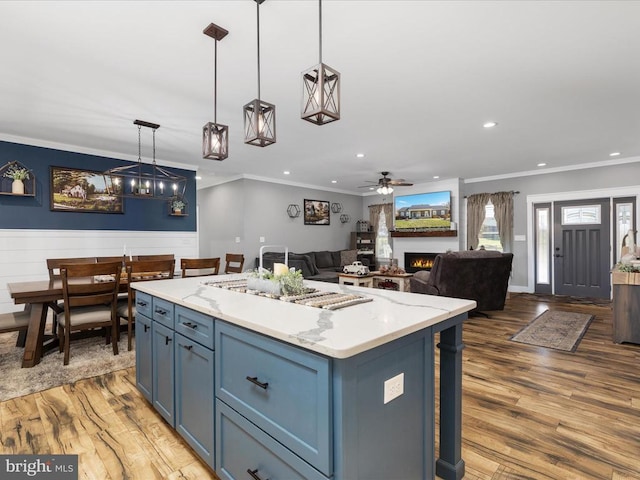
(35, 212)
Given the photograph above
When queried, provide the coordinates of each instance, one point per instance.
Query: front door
(582, 248)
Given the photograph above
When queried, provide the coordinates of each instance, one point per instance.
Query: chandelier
(259, 116)
(320, 89)
(215, 137)
(145, 181)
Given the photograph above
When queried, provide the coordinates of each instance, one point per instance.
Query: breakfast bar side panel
(377, 438)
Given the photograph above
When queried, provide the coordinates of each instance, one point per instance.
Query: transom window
(580, 215)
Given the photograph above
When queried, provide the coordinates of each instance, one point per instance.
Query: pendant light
(320, 89)
(259, 116)
(215, 137)
(138, 181)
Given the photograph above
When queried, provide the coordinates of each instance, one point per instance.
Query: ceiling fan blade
(368, 186)
(400, 184)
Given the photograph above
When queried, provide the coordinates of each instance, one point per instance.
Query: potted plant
(177, 206)
(18, 174)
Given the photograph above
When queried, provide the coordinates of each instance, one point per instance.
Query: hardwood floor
(528, 412)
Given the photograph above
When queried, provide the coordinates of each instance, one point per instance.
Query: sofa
(480, 275)
(323, 266)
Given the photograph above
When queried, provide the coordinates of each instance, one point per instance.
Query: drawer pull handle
(146, 327)
(142, 304)
(167, 340)
(190, 325)
(161, 312)
(187, 347)
(255, 381)
(254, 474)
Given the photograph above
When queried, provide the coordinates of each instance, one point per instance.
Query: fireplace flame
(422, 263)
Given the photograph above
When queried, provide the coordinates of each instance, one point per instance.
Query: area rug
(89, 357)
(558, 330)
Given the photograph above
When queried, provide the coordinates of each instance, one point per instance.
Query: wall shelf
(28, 185)
(434, 233)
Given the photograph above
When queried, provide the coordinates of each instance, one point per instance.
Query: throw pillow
(347, 257)
(324, 260)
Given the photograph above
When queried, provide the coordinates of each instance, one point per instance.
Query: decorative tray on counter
(311, 298)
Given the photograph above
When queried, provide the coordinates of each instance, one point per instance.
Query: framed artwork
(76, 190)
(316, 212)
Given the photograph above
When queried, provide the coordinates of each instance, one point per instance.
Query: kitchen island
(263, 388)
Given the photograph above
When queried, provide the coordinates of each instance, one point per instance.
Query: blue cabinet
(163, 371)
(194, 396)
(282, 389)
(174, 369)
(144, 363)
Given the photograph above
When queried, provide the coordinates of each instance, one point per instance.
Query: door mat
(557, 330)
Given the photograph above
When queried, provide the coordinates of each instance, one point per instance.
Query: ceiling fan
(385, 184)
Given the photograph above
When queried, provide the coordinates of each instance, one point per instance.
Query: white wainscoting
(23, 253)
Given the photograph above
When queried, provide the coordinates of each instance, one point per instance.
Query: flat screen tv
(422, 211)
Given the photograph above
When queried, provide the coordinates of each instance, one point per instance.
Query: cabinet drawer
(241, 446)
(163, 312)
(143, 304)
(282, 389)
(194, 325)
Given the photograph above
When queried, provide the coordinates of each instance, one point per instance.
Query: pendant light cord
(320, 28)
(215, 83)
(258, 30)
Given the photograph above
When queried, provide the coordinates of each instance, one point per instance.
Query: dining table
(40, 294)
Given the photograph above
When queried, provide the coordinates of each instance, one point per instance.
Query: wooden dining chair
(234, 263)
(198, 267)
(53, 266)
(16, 322)
(140, 271)
(89, 303)
(169, 256)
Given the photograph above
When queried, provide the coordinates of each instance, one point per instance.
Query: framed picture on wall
(316, 212)
(76, 190)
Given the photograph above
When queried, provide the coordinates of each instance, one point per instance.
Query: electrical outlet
(237, 239)
(393, 388)
(262, 240)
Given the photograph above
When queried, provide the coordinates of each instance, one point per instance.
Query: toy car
(356, 268)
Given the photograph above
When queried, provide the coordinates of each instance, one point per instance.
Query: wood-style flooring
(528, 412)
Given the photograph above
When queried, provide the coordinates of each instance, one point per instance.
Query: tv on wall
(422, 211)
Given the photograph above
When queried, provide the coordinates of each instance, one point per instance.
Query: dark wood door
(582, 248)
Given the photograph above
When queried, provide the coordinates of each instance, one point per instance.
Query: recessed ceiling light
(371, 188)
(489, 124)
(198, 177)
(286, 172)
(542, 164)
(360, 155)
(334, 181)
(614, 154)
(436, 177)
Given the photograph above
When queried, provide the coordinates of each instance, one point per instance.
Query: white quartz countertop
(338, 333)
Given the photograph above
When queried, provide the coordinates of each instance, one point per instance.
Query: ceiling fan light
(320, 95)
(215, 141)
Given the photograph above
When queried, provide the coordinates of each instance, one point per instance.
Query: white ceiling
(419, 78)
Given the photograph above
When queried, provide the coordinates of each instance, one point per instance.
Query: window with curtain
(500, 212)
(489, 238)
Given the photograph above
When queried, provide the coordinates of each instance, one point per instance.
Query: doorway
(581, 248)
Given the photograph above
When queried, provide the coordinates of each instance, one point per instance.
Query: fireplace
(414, 262)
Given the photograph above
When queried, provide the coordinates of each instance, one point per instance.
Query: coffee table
(356, 280)
(402, 280)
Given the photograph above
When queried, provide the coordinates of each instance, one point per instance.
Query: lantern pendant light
(215, 137)
(320, 89)
(259, 116)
